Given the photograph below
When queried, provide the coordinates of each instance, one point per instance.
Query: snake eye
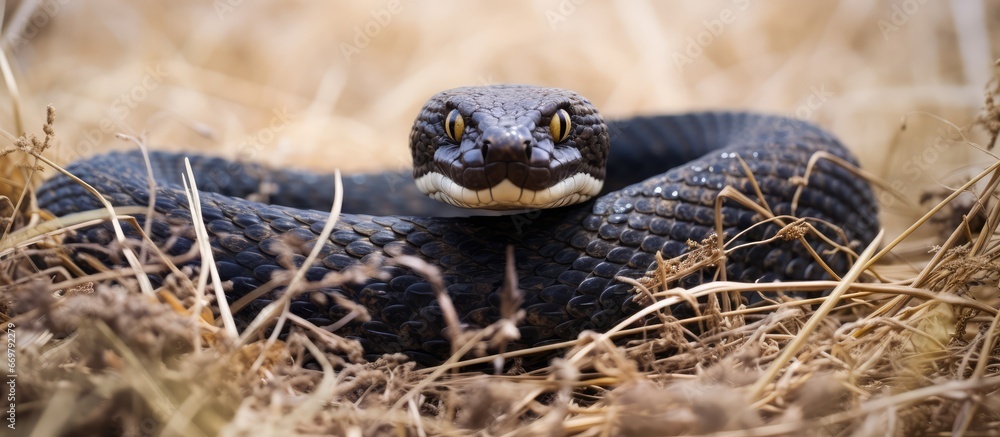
(560, 125)
(454, 125)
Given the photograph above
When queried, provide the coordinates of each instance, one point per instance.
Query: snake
(583, 202)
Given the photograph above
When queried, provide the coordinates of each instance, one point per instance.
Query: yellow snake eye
(560, 125)
(454, 125)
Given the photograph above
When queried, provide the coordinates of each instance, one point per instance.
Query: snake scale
(660, 180)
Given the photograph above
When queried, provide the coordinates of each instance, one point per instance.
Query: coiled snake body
(471, 146)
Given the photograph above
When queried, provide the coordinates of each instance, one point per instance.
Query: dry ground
(324, 85)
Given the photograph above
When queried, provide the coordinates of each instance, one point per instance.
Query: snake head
(505, 147)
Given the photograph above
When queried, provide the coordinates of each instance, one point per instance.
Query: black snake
(659, 189)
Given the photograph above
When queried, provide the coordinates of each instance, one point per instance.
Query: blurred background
(337, 84)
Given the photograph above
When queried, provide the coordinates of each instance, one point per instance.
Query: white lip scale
(506, 195)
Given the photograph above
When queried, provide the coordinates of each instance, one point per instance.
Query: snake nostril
(527, 148)
(485, 148)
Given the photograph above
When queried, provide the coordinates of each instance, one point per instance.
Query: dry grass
(912, 350)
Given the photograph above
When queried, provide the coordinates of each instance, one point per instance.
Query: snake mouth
(577, 188)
